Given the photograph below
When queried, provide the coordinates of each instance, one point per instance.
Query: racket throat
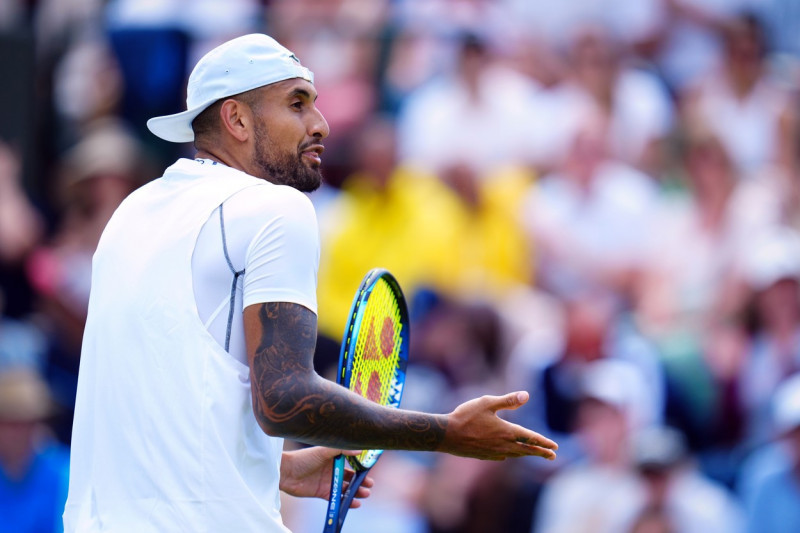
(350, 493)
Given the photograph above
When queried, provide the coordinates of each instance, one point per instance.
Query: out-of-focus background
(595, 201)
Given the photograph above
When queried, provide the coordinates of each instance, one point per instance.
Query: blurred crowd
(597, 202)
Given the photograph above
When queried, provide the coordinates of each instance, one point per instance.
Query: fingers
(361, 494)
(527, 438)
(367, 483)
(329, 453)
(512, 400)
(321, 453)
(524, 446)
(530, 449)
(363, 491)
(519, 449)
(531, 438)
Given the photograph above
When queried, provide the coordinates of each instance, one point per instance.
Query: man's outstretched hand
(475, 430)
(307, 473)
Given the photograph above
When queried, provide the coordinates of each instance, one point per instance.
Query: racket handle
(348, 496)
(332, 522)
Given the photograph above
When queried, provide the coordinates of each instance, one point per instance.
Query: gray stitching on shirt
(236, 275)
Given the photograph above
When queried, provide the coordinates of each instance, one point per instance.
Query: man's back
(156, 389)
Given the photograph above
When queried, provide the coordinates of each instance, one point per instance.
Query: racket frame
(339, 503)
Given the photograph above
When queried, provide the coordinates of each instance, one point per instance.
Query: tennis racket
(372, 363)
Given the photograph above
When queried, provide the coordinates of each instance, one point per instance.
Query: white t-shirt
(164, 434)
(267, 236)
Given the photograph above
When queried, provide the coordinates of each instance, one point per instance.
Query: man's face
(288, 135)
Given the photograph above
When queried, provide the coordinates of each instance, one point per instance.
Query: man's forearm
(317, 411)
(291, 400)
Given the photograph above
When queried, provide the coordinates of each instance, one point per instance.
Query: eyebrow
(303, 93)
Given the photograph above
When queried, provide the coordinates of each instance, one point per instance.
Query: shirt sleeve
(282, 259)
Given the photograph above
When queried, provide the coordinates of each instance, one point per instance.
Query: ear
(235, 118)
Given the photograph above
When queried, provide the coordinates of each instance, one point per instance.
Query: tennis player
(198, 348)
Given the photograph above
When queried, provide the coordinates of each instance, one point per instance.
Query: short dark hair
(207, 122)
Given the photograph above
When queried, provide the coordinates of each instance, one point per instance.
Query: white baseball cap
(234, 67)
(620, 384)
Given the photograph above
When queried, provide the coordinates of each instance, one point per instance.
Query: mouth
(313, 153)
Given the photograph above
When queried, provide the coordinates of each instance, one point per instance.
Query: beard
(285, 169)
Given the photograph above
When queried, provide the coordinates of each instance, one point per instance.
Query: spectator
(772, 270)
(633, 474)
(591, 219)
(687, 500)
(769, 481)
(709, 408)
(753, 115)
(408, 221)
(33, 470)
(601, 78)
(689, 44)
(88, 86)
(458, 119)
(601, 493)
(594, 330)
(701, 235)
(688, 295)
(389, 215)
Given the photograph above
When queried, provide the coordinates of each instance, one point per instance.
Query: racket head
(374, 353)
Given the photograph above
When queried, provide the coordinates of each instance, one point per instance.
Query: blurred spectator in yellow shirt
(460, 239)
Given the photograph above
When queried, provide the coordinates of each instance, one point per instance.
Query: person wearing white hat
(598, 491)
(772, 271)
(33, 466)
(199, 342)
(770, 478)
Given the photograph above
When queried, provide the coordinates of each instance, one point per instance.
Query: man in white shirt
(198, 349)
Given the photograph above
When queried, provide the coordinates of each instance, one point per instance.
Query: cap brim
(176, 128)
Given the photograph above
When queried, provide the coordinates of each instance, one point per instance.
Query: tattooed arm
(291, 400)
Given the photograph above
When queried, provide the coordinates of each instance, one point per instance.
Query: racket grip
(332, 521)
(348, 496)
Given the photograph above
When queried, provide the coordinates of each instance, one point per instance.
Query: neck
(229, 160)
(202, 154)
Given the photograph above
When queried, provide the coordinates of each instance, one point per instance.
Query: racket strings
(378, 345)
(377, 352)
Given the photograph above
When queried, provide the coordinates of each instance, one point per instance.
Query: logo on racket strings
(371, 378)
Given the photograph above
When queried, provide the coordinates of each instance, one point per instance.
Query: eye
(298, 105)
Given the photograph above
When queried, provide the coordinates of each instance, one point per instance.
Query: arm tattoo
(291, 400)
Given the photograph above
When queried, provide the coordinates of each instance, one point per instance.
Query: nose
(319, 126)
